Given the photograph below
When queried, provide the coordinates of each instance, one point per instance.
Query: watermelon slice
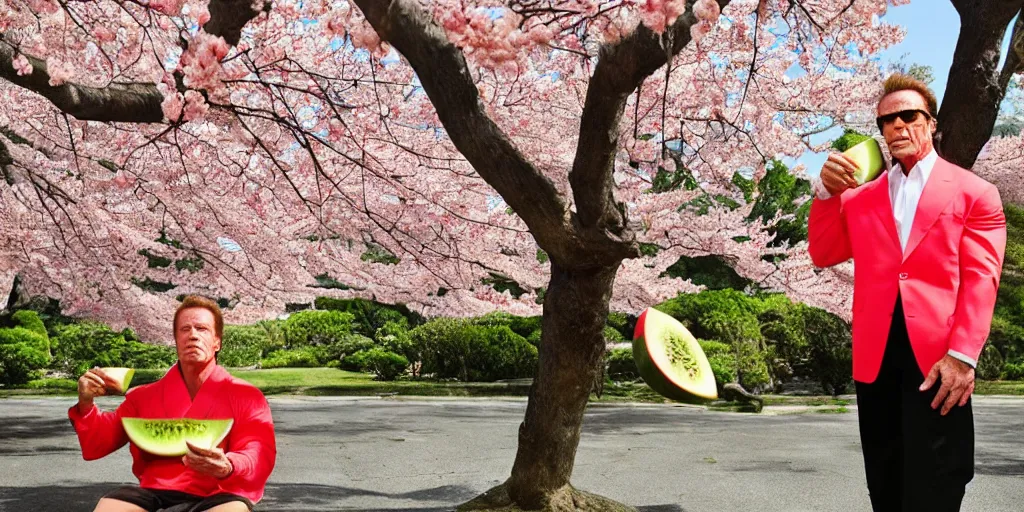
(167, 437)
(123, 377)
(670, 360)
(867, 154)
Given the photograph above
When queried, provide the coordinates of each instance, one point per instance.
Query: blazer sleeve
(982, 248)
(828, 241)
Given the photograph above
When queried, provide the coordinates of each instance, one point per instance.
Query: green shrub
(716, 315)
(342, 350)
(453, 348)
(728, 316)
(534, 338)
(621, 322)
(304, 357)
(521, 325)
(394, 337)
(275, 334)
(831, 349)
(508, 356)
(23, 353)
(722, 360)
(612, 336)
(145, 355)
(83, 345)
(30, 338)
(243, 345)
(620, 365)
(384, 364)
(787, 352)
(316, 328)
(1007, 335)
(1013, 371)
(30, 320)
(990, 364)
(368, 316)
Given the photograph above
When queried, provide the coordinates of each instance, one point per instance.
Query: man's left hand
(957, 383)
(212, 462)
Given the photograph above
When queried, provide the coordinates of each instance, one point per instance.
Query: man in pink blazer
(927, 239)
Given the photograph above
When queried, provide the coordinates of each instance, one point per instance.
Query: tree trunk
(575, 311)
(974, 88)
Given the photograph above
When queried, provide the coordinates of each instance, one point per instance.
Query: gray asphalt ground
(432, 454)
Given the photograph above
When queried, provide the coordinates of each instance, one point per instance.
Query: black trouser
(915, 458)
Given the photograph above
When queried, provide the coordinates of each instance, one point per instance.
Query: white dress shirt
(904, 194)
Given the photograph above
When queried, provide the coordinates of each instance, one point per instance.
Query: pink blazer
(947, 276)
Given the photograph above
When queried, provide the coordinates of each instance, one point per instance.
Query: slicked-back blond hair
(904, 82)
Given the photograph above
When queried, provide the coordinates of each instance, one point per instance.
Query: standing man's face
(906, 125)
(196, 336)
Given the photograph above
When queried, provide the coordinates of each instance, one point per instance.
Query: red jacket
(250, 445)
(947, 277)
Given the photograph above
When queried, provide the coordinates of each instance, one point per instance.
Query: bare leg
(233, 506)
(112, 505)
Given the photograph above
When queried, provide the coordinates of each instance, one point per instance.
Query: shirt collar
(925, 165)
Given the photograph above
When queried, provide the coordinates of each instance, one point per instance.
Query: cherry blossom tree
(409, 151)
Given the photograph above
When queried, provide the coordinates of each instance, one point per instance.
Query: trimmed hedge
(460, 349)
(81, 346)
(384, 364)
(316, 328)
(23, 355)
(368, 316)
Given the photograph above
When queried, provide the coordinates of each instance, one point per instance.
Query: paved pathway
(429, 455)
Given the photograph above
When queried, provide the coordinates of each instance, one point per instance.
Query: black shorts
(155, 500)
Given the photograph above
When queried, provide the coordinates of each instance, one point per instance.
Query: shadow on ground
(279, 498)
(33, 427)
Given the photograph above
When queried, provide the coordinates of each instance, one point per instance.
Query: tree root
(565, 499)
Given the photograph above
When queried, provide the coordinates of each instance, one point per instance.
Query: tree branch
(620, 69)
(445, 76)
(128, 102)
(119, 102)
(227, 17)
(973, 92)
(1015, 55)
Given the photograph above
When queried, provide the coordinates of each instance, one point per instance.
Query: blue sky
(932, 29)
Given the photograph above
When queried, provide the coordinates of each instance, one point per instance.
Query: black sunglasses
(908, 116)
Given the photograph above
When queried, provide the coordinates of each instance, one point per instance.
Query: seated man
(227, 478)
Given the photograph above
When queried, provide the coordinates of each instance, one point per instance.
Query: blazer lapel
(883, 207)
(937, 194)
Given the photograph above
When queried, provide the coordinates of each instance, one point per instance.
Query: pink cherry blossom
(104, 34)
(172, 106)
(169, 7)
(22, 66)
(60, 71)
(296, 155)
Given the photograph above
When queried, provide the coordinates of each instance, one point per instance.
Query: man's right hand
(91, 385)
(837, 174)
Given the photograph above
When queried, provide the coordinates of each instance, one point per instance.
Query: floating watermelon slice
(670, 360)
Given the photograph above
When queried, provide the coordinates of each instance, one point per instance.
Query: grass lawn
(334, 382)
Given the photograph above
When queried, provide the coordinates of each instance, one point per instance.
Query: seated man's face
(196, 337)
